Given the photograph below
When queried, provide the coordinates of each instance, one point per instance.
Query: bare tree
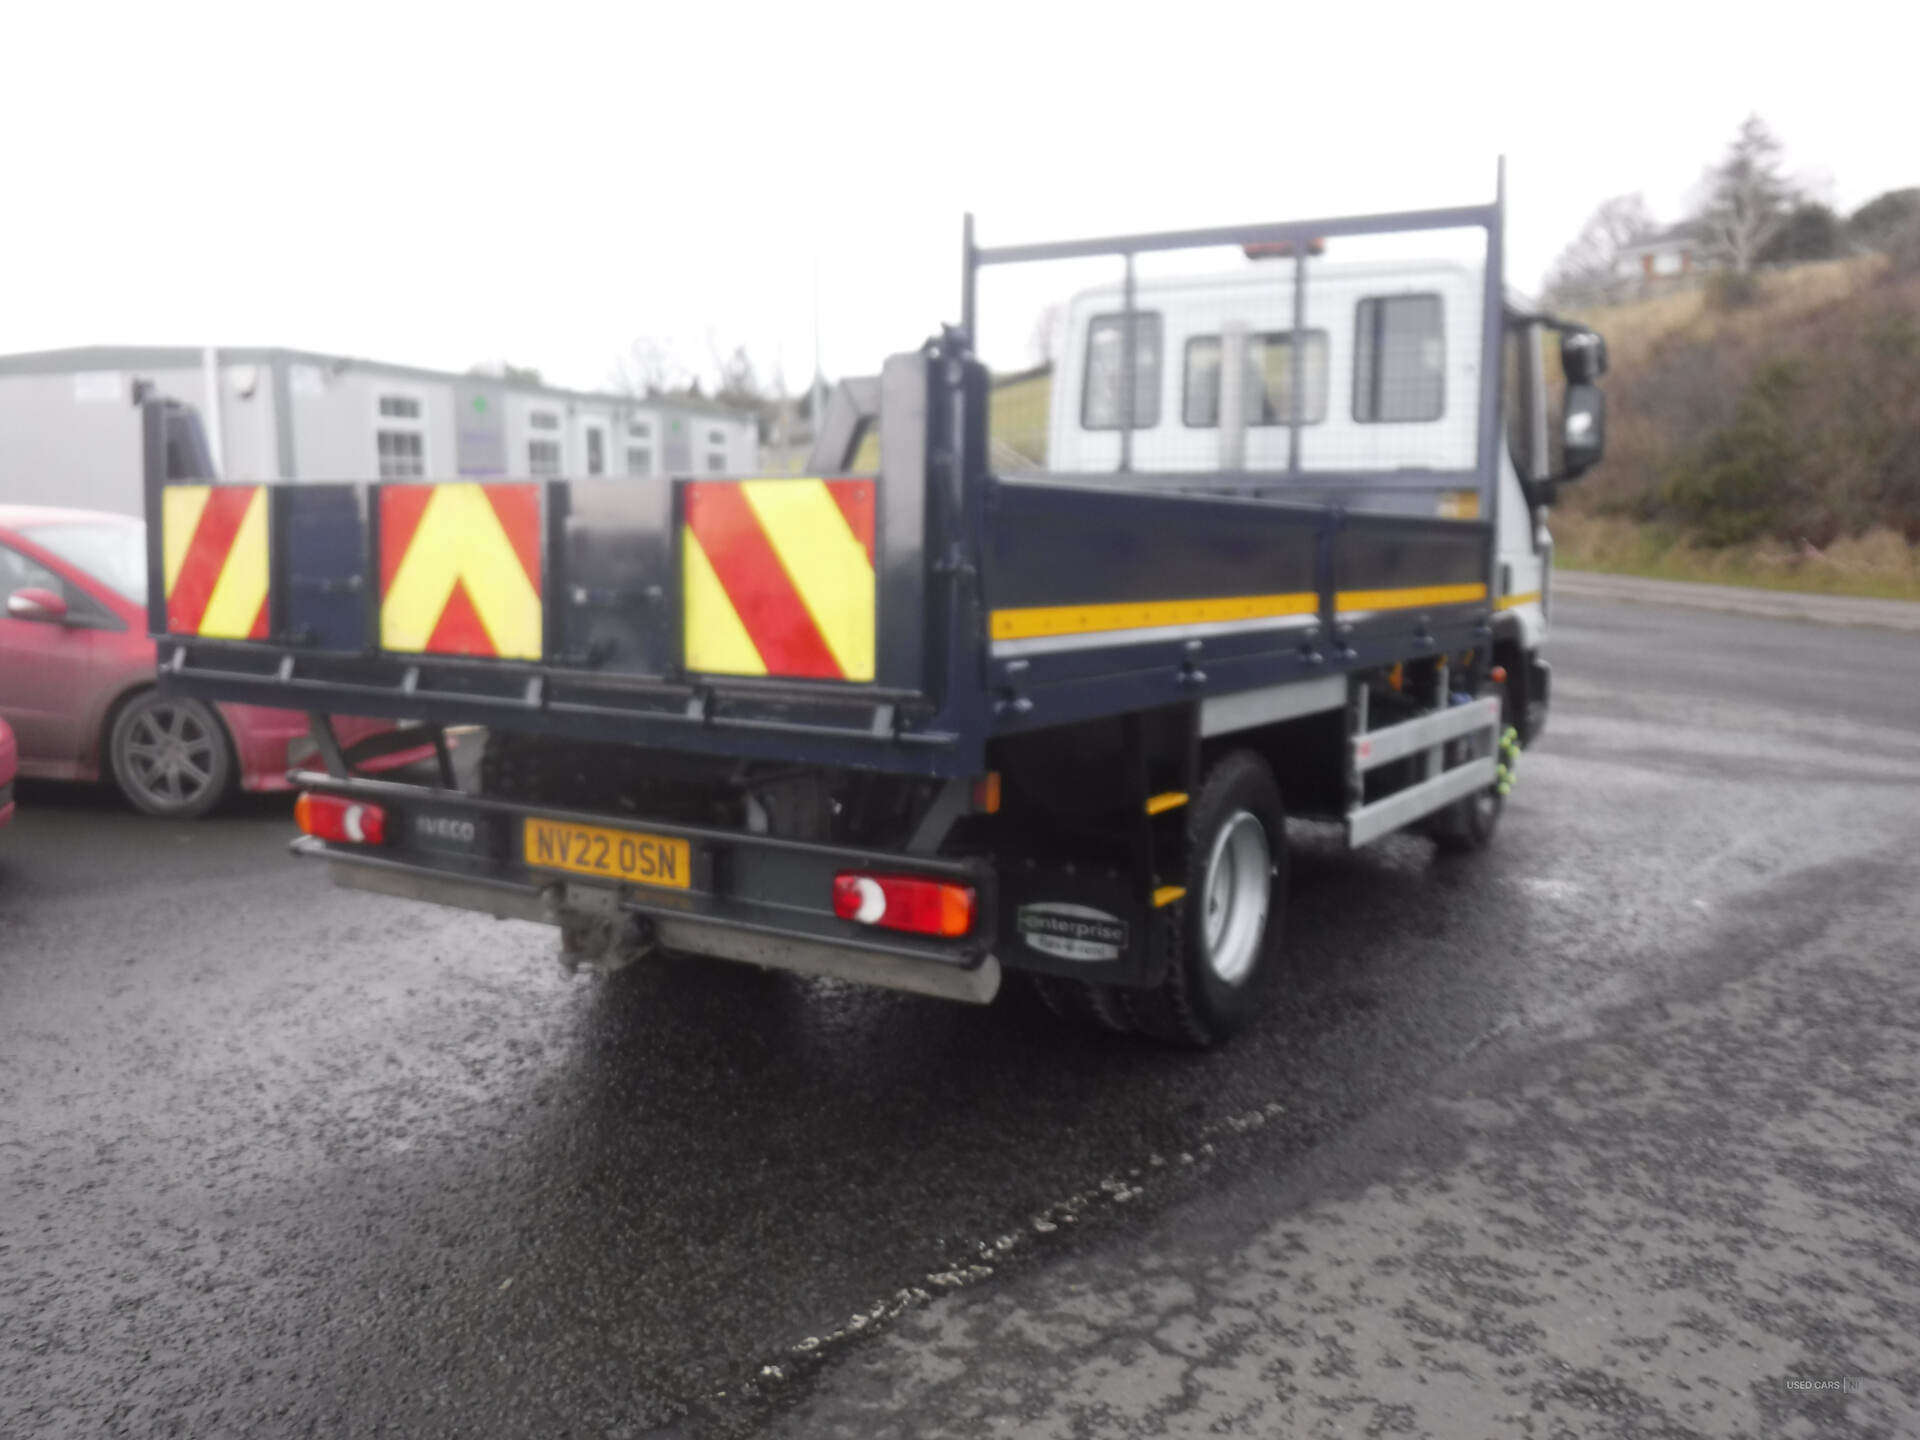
(648, 368)
(739, 382)
(1745, 200)
(740, 386)
(1588, 270)
(1045, 336)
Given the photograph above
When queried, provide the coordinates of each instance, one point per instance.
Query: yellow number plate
(608, 854)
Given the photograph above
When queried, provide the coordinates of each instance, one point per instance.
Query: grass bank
(1879, 564)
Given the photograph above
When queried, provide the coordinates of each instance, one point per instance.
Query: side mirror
(34, 603)
(1583, 356)
(1585, 434)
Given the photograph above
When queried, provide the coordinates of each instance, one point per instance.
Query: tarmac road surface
(1610, 1131)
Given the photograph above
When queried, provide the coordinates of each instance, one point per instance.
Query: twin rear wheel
(1223, 942)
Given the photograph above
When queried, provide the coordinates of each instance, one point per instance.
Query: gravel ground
(1610, 1130)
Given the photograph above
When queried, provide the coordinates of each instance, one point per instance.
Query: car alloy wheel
(170, 756)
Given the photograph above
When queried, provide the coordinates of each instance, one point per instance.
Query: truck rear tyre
(1224, 937)
(1080, 1002)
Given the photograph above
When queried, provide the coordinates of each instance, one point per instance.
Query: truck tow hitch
(594, 930)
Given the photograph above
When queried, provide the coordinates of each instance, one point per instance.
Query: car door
(49, 669)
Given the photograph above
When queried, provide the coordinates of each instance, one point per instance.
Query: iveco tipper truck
(962, 709)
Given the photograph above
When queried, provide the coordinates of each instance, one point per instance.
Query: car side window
(17, 572)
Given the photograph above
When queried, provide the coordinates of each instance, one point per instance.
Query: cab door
(1524, 553)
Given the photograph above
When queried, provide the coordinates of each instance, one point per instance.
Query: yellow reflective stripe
(1167, 894)
(460, 538)
(825, 561)
(716, 640)
(242, 585)
(1511, 602)
(1407, 599)
(1090, 619)
(180, 508)
(1171, 800)
(413, 602)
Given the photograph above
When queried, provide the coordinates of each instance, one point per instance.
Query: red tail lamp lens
(904, 902)
(345, 822)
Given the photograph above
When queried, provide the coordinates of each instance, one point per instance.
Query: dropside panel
(461, 570)
(777, 577)
(1104, 599)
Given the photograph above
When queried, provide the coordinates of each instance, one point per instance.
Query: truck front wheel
(1224, 935)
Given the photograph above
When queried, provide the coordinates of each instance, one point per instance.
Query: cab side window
(1519, 396)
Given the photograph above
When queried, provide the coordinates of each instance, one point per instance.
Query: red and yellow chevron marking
(778, 577)
(460, 570)
(213, 539)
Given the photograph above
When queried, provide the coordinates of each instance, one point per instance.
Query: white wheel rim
(1239, 886)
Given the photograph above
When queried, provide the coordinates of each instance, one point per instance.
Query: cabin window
(399, 437)
(1400, 359)
(1101, 398)
(543, 457)
(402, 454)
(1269, 382)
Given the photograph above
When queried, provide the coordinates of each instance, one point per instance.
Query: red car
(6, 773)
(77, 669)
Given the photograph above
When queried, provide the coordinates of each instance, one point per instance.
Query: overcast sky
(542, 183)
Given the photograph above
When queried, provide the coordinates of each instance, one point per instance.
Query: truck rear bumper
(762, 926)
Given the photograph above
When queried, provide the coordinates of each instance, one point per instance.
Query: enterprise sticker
(1071, 932)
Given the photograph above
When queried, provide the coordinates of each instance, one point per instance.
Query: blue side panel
(1383, 552)
(1067, 544)
(328, 589)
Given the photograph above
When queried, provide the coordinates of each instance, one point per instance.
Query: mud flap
(1083, 922)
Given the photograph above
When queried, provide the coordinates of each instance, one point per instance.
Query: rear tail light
(345, 822)
(904, 902)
